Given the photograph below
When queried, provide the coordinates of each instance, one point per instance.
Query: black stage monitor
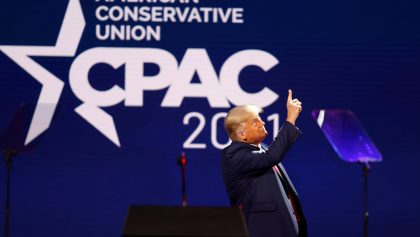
(159, 221)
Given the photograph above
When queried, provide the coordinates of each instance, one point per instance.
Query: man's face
(254, 130)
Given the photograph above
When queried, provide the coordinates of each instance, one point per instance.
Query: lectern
(167, 221)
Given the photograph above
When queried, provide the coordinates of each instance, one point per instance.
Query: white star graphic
(66, 46)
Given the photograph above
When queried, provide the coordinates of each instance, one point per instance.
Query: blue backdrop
(357, 55)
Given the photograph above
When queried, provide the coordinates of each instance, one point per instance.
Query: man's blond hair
(238, 116)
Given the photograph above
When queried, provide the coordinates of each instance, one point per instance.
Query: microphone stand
(8, 156)
(182, 161)
(366, 168)
(12, 143)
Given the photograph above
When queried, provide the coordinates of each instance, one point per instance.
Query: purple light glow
(346, 135)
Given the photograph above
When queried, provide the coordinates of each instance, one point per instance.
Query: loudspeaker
(159, 221)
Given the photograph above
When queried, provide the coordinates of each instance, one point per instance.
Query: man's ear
(241, 135)
(241, 132)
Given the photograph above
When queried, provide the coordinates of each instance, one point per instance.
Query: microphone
(182, 161)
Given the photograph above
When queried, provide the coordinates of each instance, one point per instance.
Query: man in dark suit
(254, 178)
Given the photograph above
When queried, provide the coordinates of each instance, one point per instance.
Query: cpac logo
(219, 90)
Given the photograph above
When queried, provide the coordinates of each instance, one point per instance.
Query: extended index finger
(289, 97)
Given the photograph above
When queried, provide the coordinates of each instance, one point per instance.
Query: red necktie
(276, 169)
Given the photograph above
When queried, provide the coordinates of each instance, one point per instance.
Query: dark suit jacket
(252, 185)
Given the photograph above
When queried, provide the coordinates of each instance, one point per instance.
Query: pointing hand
(294, 107)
